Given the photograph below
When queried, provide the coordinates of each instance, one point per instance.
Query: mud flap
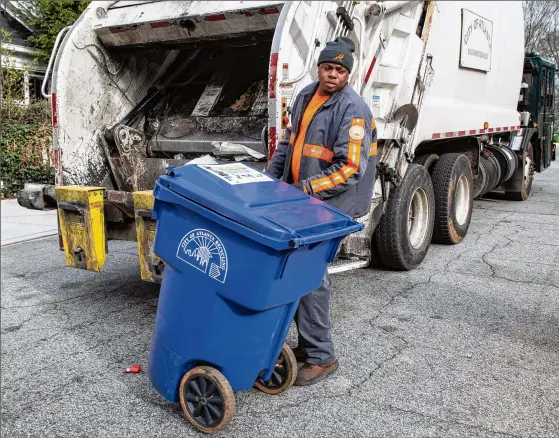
(151, 266)
(81, 214)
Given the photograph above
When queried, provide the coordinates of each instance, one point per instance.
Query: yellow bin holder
(151, 266)
(81, 214)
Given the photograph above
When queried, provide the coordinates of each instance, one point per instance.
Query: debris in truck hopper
(206, 159)
(243, 158)
(134, 369)
(245, 102)
(179, 157)
(227, 149)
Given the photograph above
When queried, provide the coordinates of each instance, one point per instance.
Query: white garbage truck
(138, 86)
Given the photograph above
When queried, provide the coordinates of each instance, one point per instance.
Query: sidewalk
(19, 224)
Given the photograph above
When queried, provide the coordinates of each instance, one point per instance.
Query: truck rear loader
(138, 86)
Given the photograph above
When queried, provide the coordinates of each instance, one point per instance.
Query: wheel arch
(469, 146)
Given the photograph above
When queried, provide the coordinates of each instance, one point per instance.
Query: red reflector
(272, 142)
(490, 130)
(268, 11)
(115, 197)
(215, 17)
(54, 111)
(473, 131)
(118, 29)
(461, 133)
(285, 120)
(370, 70)
(56, 158)
(159, 24)
(449, 134)
(435, 136)
(273, 76)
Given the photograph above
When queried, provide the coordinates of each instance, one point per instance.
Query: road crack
(496, 275)
(448, 421)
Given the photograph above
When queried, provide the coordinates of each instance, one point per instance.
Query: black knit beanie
(339, 52)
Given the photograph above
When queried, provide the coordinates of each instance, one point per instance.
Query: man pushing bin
(242, 249)
(329, 152)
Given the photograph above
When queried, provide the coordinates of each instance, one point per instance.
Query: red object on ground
(135, 369)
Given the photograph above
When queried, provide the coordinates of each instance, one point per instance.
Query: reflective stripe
(314, 151)
(373, 124)
(342, 175)
(373, 150)
(451, 134)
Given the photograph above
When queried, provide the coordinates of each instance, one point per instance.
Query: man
(329, 153)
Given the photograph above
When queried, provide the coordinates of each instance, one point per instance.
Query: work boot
(309, 374)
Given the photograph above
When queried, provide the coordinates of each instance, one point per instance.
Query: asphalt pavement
(467, 345)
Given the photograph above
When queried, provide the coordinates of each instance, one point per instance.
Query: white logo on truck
(204, 251)
(477, 41)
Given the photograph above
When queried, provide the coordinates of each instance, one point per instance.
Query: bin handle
(327, 235)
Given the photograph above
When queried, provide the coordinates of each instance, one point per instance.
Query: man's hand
(300, 186)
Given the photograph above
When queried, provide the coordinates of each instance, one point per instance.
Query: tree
(541, 28)
(49, 18)
(12, 80)
(541, 32)
(539, 19)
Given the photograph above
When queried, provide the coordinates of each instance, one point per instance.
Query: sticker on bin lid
(235, 173)
(204, 251)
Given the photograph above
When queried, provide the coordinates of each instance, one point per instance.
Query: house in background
(14, 19)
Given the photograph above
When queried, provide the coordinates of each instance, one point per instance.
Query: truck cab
(538, 99)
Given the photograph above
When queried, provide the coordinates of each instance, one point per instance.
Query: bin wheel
(284, 375)
(207, 399)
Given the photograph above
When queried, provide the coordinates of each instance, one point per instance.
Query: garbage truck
(139, 86)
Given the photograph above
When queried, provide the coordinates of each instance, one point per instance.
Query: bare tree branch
(540, 18)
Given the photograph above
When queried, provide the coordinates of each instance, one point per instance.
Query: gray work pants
(313, 324)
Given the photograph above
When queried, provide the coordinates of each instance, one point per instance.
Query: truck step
(344, 265)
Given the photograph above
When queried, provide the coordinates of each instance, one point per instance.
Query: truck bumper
(37, 197)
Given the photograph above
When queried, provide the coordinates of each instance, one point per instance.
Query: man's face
(332, 77)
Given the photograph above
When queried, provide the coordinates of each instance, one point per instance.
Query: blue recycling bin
(240, 250)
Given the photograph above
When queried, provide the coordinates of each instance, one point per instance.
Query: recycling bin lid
(282, 215)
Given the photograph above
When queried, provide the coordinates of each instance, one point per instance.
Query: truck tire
(520, 185)
(428, 161)
(376, 261)
(453, 185)
(405, 230)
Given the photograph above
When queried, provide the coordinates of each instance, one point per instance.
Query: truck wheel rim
(462, 200)
(418, 218)
(527, 171)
